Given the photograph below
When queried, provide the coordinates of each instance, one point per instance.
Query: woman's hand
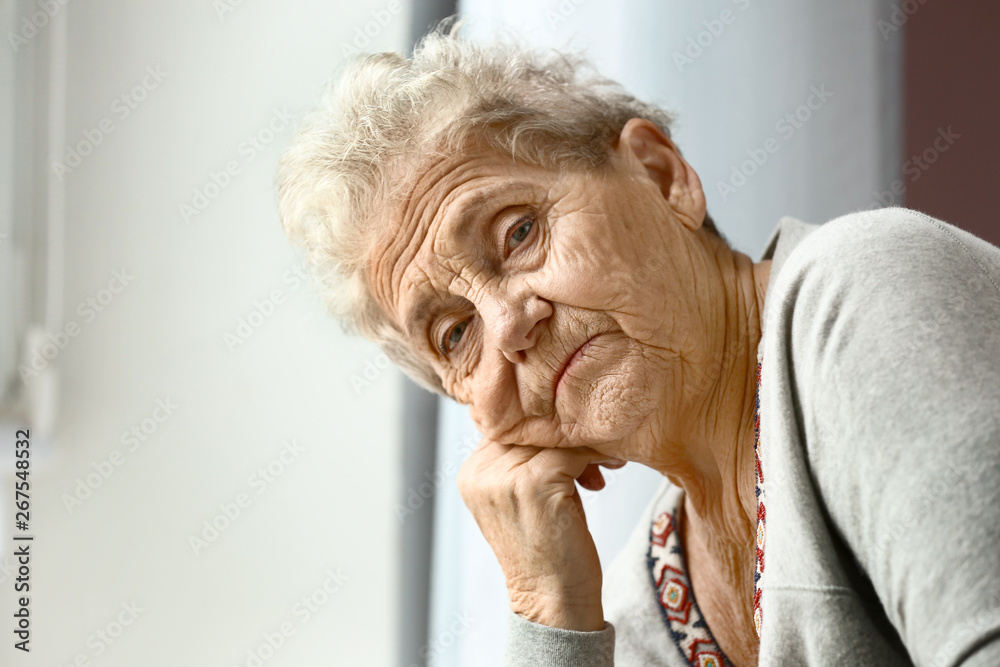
(527, 506)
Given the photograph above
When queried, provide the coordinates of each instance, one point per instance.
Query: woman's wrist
(586, 615)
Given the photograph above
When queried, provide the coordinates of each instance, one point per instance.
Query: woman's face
(501, 272)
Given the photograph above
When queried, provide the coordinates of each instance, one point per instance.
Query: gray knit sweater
(880, 451)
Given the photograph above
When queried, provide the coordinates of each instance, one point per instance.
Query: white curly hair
(387, 115)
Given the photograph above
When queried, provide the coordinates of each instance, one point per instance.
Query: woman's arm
(896, 354)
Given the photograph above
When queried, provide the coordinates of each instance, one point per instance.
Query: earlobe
(645, 144)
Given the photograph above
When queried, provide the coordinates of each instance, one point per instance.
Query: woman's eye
(521, 229)
(453, 336)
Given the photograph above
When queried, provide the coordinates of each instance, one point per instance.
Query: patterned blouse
(667, 568)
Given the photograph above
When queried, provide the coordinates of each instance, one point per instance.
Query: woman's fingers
(591, 479)
(526, 503)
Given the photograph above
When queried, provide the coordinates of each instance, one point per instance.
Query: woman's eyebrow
(422, 311)
(475, 208)
(461, 225)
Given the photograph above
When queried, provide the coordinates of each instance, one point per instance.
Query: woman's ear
(643, 144)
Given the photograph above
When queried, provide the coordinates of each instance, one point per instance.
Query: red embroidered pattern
(685, 624)
(761, 511)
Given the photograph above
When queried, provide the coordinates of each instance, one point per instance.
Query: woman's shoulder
(893, 240)
(878, 269)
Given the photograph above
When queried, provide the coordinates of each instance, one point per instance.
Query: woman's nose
(512, 322)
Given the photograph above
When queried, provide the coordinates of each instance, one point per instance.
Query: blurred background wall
(205, 383)
(952, 87)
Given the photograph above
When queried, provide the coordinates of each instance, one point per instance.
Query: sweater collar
(784, 238)
(788, 233)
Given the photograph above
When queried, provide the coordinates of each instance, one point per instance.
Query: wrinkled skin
(523, 265)
(604, 255)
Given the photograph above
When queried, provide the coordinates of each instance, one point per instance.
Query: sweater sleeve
(896, 356)
(531, 644)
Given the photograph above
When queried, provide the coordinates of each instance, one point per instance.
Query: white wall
(162, 338)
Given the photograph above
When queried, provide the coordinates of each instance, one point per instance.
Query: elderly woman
(525, 238)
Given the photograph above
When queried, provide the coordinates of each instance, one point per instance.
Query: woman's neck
(711, 456)
(714, 462)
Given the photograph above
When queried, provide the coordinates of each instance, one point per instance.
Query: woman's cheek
(581, 277)
(455, 382)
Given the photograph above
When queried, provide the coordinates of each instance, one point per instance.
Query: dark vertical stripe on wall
(419, 441)
(425, 13)
(952, 98)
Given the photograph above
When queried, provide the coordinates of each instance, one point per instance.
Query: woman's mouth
(573, 358)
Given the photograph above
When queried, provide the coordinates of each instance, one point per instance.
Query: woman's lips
(569, 362)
